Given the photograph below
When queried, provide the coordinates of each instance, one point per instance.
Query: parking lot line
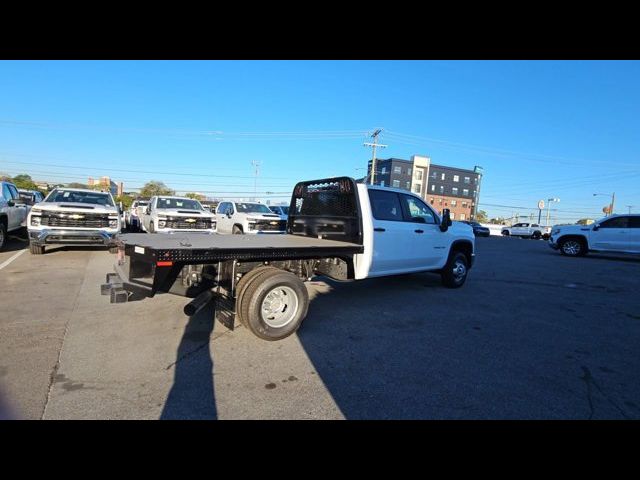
(7, 262)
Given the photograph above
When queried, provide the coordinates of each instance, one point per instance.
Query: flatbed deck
(202, 247)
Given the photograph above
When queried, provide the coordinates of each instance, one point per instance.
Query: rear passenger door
(634, 234)
(612, 235)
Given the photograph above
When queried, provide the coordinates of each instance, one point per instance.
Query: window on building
(396, 183)
(467, 180)
(442, 176)
(397, 169)
(475, 180)
(456, 178)
(452, 215)
(382, 183)
(408, 186)
(465, 192)
(384, 170)
(454, 191)
(464, 204)
(431, 200)
(439, 201)
(454, 203)
(441, 188)
(418, 174)
(462, 216)
(434, 175)
(433, 187)
(409, 171)
(417, 188)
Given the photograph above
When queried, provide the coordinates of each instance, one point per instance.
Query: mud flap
(225, 311)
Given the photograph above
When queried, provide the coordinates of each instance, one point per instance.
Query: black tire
(242, 285)
(3, 234)
(455, 272)
(151, 229)
(536, 235)
(505, 233)
(237, 230)
(36, 249)
(289, 301)
(573, 247)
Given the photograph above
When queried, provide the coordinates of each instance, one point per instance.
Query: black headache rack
(324, 222)
(326, 208)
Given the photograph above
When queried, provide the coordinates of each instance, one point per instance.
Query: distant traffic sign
(541, 204)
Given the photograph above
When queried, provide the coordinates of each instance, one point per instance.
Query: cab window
(385, 205)
(417, 211)
(618, 222)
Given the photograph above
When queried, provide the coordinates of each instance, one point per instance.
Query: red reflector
(164, 264)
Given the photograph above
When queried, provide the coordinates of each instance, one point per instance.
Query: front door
(426, 242)
(612, 235)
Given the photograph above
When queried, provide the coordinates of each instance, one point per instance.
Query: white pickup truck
(73, 216)
(616, 233)
(13, 211)
(248, 217)
(336, 228)
(529, 230)
(166, 214)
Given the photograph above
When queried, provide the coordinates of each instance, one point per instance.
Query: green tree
(155, 187)
(195, 196)
(24, 181)
(77, 185)
(481, 216)
(126, 201)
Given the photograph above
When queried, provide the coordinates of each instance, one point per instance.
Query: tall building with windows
(104, 183)
(441, 186)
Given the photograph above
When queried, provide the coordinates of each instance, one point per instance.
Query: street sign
(541, 204)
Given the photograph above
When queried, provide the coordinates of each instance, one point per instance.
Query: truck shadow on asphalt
(15, 243)
(192, 393)
(375, 354)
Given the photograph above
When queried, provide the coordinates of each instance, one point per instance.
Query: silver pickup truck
(13, 211)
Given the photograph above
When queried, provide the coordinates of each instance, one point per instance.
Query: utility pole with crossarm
(373, 158)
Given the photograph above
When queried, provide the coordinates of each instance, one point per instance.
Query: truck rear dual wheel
(455, 271)
(273, 304)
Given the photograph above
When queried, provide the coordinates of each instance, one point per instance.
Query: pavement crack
(197, 349)
(589, 380)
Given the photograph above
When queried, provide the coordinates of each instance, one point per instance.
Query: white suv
(177, 214)
(248, 217)
(616, 233)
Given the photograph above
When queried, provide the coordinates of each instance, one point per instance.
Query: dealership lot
(532, 334)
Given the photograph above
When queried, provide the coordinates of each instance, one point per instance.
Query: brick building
(457, 189)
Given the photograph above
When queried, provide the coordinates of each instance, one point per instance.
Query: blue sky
(563, 129)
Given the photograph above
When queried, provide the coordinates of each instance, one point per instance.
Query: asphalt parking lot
(532, 335)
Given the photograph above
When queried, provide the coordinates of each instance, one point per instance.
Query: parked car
(31, 197)
(73, 216)
(615, 233)
(13, 211)
(166, 214)
(478, 230)
(527, 230)
(283, 211)
(249, 218)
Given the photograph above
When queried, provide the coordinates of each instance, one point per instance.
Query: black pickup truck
(332, 230)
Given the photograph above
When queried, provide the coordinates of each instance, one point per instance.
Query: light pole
(549, 208)
(613, 200)
(630, 207)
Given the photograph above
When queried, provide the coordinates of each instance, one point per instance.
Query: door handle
(378, 229)
(419, 231)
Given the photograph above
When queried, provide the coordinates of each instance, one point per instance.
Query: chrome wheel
(279, 307)
(571, 247)
(459, 270)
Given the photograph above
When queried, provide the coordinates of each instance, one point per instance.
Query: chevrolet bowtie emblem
(76, 216)
(273, 223)
(190, 220)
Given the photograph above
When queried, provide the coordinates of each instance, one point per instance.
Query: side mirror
(228, 214)
(446, 220)
(596, 227)
(146, 210)
(11, 203)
